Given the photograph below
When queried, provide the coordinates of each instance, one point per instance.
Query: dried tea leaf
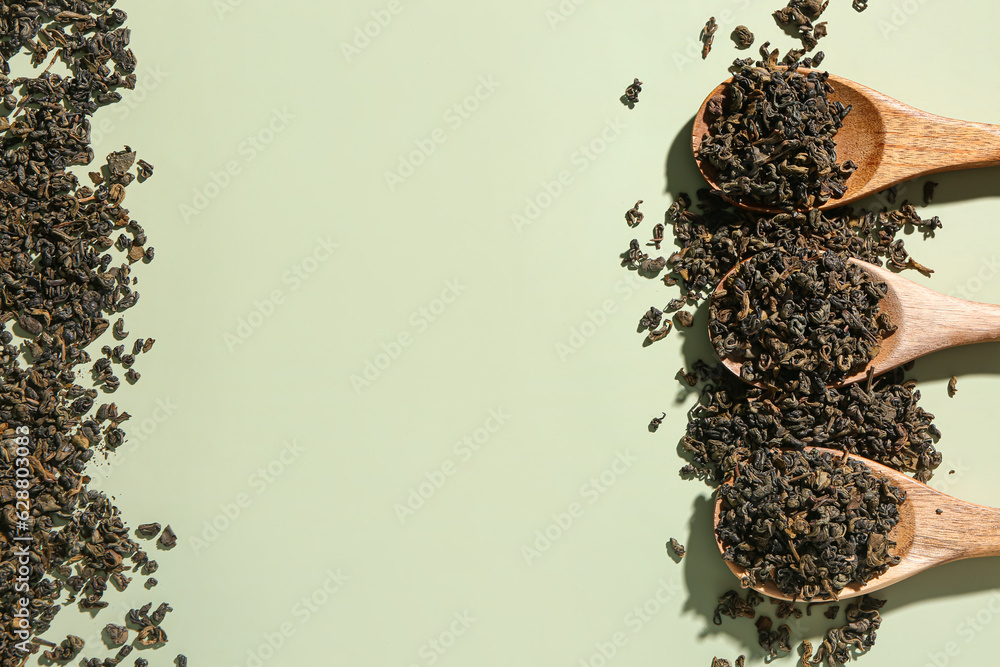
(677, 548)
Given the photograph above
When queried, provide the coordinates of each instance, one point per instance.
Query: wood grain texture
(926, 321)
(891, 142)
(924, 538)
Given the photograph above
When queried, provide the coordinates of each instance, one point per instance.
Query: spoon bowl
(924, 538)
(926, 321)
(891, 142)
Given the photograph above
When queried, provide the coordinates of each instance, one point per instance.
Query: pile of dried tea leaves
(785, 316)
(807, 521)
(60, 542)
(715, 236)
(883, 423)
(771, 136)
(771, 141)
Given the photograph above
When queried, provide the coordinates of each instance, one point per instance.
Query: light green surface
(483, 308)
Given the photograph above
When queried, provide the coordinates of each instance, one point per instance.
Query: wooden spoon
(890, 142)
(923, 537)
(926, 322)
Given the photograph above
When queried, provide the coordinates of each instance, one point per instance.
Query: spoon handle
(962, 530)
(932, 321)
(974, 530)
(920, 143)
(958, 322)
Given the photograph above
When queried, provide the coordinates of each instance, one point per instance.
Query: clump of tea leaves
(714, 237)
(771, 136)
(808, 521)
(883, 423)
(858, 635)
(785, 316)
(66, 255)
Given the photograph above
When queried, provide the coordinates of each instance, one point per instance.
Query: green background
(288, 266)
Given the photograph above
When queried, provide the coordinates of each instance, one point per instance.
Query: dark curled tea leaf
(721, 662)
(651, 319)
(151, 635)
(786, 609)
(793, 56)
(807, 651)
(708, 36)
(168, 540)
(810, 522)
(773, 143)
(160, 613)
(655, 422)
(774, 642)
(863, 619)
(743, 37)
(660, 333)
(690, 379)
(118, 634)
(733, 606)
(633, 216)
(952, 386)
(66, 651)
(634, 256)
(652, 266)
(793, 321)
(684, 318)
(929, 192)
(657, 235)
(810, 8)
(677, 548)
(632, 92)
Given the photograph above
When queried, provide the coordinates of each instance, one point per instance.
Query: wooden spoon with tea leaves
(923, 537)
(926, 321)
(890, 142)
